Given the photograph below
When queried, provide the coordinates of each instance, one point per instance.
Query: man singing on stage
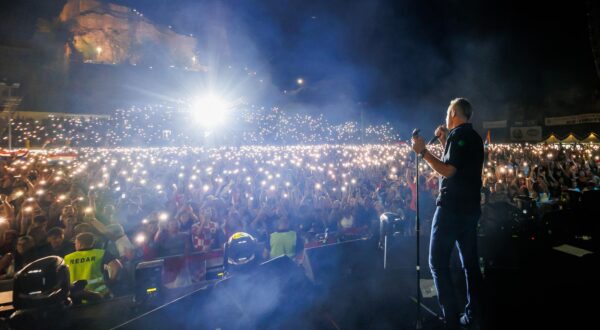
(458, 210)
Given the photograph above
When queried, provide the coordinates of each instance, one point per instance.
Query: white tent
(570, 139)
(592, 138)
(552, 139)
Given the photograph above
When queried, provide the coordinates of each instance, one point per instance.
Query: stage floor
(529, 283)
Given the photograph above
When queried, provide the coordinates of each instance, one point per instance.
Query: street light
(98, 52)
(300, 81)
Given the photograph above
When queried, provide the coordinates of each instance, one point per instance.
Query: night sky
(394, 59)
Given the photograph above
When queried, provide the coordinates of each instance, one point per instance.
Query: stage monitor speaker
(273, 295)
(264, 297)
(280, 266)
(332, 262)
(282, 269)
(148, 281)
(401, 252)
(42, 284)
(590, 201)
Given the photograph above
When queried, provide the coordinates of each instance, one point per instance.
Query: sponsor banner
(526, 123)
(585, 118)
(588, 118)
(494, 124)
(526, 134)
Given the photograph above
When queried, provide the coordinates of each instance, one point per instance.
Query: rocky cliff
(106, 33)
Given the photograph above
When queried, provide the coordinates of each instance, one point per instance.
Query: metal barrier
(185, 270)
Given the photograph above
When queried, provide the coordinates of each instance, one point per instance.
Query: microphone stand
(419, 323)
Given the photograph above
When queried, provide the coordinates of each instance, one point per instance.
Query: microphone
(435, 137)
(416, 131)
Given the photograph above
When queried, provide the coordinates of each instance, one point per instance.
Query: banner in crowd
(494, 124)
(20, 153)
(66, 156)
(585, 118)
(183, 271)
(526, 134)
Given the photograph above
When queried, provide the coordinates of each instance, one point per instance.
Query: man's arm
(445, 170)
(113, 268)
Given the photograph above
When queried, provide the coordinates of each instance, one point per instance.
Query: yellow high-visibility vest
(87, 265)
(283, 243)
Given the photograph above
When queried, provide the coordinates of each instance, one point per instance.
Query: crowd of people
(160, 125)
(144, 203)
(542, 173)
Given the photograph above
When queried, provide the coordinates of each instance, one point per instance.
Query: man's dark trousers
(448, 229)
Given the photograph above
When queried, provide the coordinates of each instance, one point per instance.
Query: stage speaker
(281, 269)
(401, 252)
(281, 266)
(590, 201)
(148, 281)
(332, 262)
(40, 295)
(41, 284)
(273, 295)
(267, 296)
(559, 225)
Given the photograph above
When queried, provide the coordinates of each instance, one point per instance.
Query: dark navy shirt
(463, 150)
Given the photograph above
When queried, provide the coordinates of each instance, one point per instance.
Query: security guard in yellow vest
(88, 264)
(284, 241)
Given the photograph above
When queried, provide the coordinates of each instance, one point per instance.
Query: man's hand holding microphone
(441, 133)
(418, 144)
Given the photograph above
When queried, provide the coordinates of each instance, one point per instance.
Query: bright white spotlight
(211, 110)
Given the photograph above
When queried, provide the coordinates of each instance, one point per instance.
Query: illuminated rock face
(112, 34)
